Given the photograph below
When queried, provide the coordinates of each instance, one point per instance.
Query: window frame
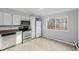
(55, 17)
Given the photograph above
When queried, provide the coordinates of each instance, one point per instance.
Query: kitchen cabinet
(7, 19)
(0, 42)
(7, 41)
(1, 18)
(16, 20)
(32, 20)
(23, 18)
(27, 18)
(18, 37)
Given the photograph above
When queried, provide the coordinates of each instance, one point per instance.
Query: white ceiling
(42, 11)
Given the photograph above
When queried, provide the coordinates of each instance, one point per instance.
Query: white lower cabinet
(7, 41)
(0, 42)
(18, 37)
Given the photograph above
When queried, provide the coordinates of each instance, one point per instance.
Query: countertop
(8, 31)
(11, 31)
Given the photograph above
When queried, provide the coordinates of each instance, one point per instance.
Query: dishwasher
(7, 40)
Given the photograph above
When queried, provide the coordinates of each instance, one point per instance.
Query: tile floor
(42, 44)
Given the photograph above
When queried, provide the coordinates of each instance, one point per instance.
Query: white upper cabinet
(27, 18)
(23, 18)
(7, 19)
(16, 20)
(1, 18)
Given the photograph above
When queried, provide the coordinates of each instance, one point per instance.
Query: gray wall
(71, 35)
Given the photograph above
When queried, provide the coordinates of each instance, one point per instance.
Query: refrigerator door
(38, 28)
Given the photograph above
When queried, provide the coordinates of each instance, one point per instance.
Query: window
(51, 24)
(57, 23)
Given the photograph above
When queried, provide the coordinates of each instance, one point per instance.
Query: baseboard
(62, 41)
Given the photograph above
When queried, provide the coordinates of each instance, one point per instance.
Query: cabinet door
(27, 18)
(16, 20)
(23, 18)
(8, 41)
(18, 37)
(7, 19)
(1, 18)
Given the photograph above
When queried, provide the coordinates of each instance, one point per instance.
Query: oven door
(26, 34)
